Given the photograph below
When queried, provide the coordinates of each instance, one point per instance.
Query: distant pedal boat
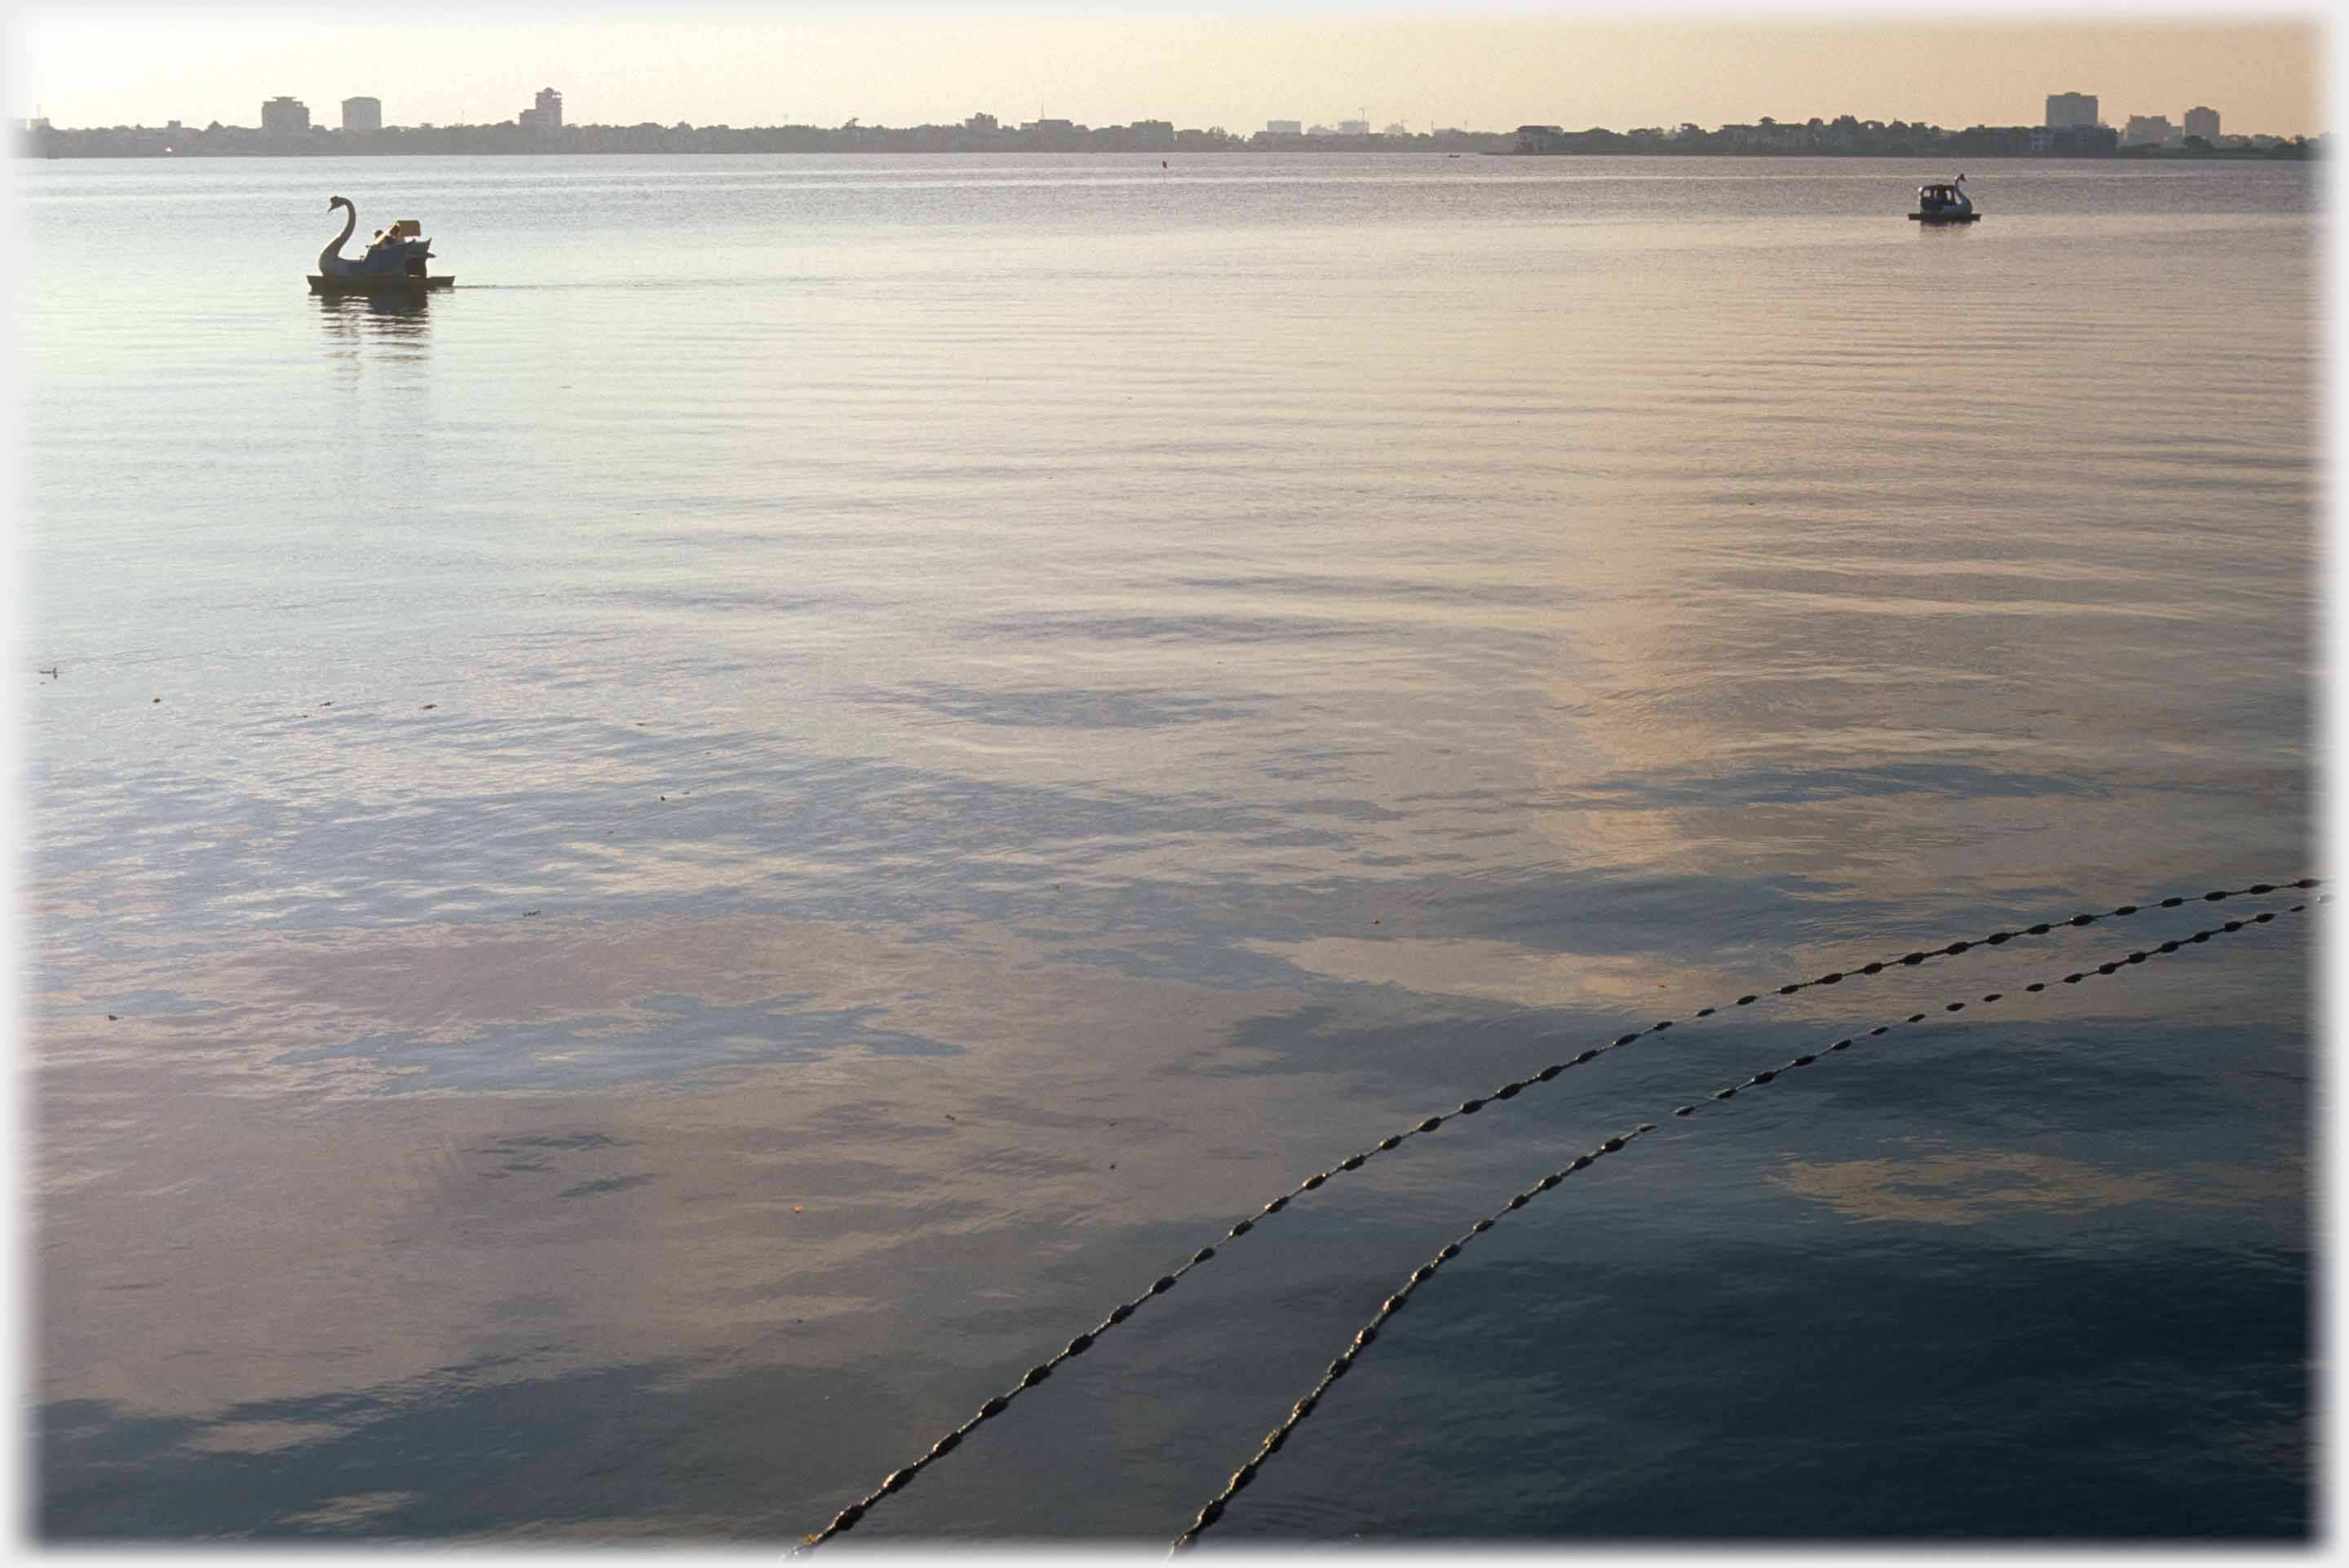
(394, 265)
(1944, 204)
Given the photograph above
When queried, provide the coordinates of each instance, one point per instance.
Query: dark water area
(648, 879)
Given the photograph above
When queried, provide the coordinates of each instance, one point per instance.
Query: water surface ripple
(650, 878)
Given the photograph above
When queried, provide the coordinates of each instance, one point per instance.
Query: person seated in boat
(382, 256)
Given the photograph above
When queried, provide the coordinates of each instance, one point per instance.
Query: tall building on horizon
(2148, 130)
(362, 114)
(2066, 110)
(284, 114)
(2203, 122)
(546, 114)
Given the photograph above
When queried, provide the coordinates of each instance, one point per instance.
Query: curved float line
(848, 1517)
(1363, 1338)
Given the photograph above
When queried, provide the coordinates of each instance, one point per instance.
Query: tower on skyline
(362, 114)
(2203, 122)
(545, 115)
(284, 114)
(2067, 109)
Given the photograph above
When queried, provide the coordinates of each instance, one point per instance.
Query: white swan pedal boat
(1944, 204)
(393, 264)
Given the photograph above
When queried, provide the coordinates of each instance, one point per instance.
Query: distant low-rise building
(2147, 130)
(284, 114)
(2000, 140)
(982, 122)
(1353, 128)
(362, 114)
(1767, 137)
(2083, 142)
(1285, 127)
(1539, 138)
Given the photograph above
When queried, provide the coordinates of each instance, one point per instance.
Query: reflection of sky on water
(712, 873)
(1967, 1188)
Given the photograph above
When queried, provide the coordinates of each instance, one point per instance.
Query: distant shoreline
(1146, 138)
(2285, 152)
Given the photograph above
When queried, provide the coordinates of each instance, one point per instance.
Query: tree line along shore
(1840, 138)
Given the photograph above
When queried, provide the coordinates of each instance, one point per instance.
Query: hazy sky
(895, 64)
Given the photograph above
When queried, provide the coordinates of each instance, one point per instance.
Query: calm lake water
(649, 879)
